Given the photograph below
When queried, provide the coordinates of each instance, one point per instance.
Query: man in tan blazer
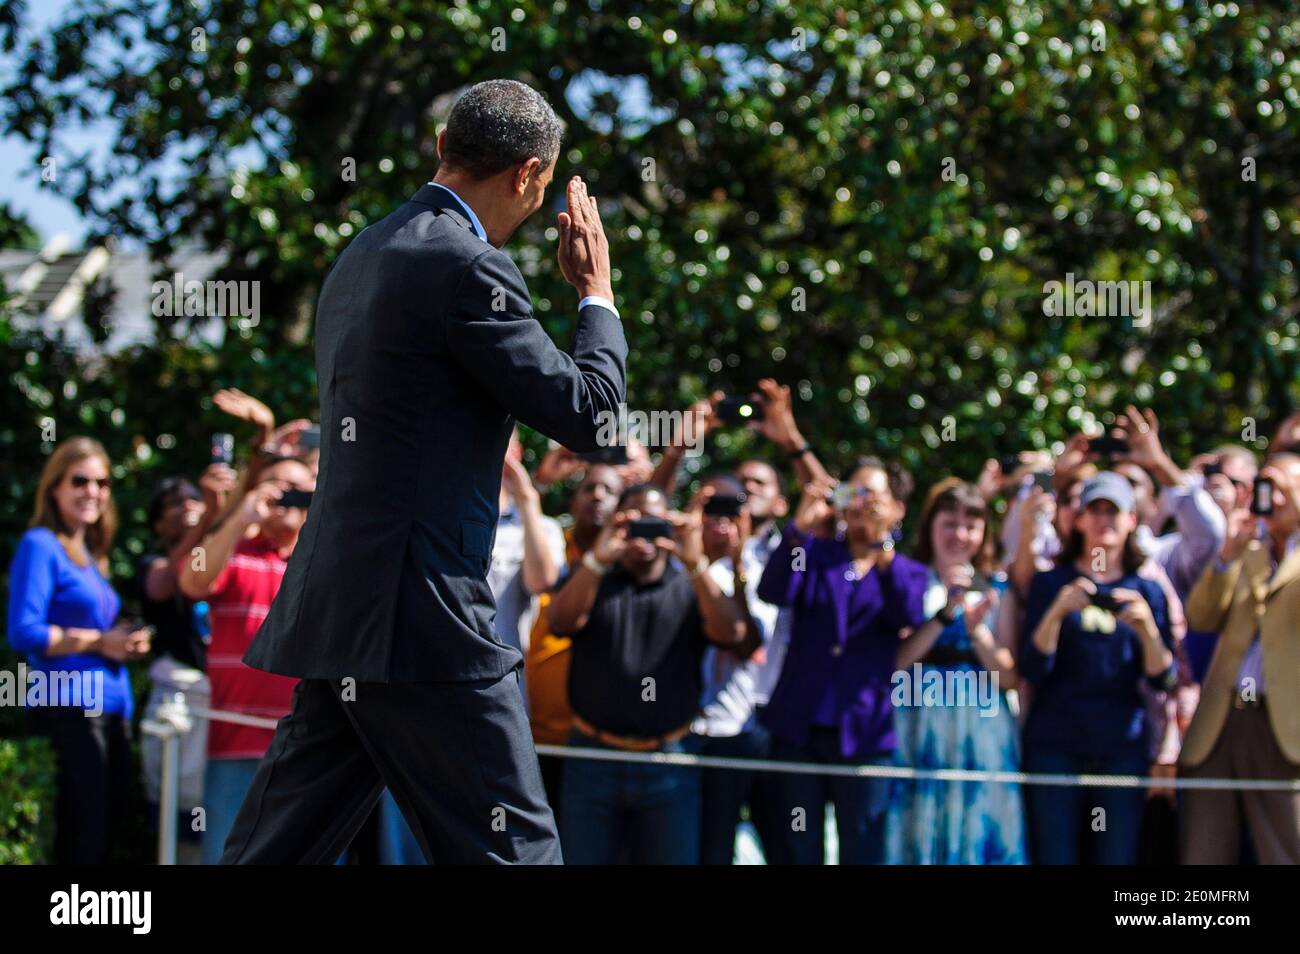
(1248, 722)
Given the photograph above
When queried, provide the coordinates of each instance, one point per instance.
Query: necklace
(858, 570)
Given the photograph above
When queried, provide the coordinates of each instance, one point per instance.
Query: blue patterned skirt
(956, 823)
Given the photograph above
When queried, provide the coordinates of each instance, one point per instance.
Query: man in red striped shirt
(238, 570)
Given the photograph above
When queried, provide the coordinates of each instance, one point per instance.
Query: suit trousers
(457, 757)
(1212, 818)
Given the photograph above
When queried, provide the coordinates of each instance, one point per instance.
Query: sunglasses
(81, 480)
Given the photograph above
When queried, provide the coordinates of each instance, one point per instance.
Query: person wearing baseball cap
(1109, 486)
(1093, 630)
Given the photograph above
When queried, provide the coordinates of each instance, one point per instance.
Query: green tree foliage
(26, 801)
(863, 200)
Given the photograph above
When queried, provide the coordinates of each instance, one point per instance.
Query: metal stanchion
(171, 721)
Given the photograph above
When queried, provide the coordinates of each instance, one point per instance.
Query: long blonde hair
(99, 535)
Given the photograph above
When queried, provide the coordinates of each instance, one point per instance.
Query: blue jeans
(225, 783)
(641, 814)
(860, 805)
(725, 791)
(1063, 822)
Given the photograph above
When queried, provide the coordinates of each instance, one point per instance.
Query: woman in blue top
(1093, 630)
(950, 710)
(61, 616)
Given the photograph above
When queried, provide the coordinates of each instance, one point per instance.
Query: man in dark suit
(426, 352)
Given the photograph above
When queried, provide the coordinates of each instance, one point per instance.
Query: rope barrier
(862, 771)
(905, 772)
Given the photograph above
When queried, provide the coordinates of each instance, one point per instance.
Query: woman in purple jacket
(851, 594)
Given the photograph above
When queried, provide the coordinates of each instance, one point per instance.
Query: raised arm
(492, 334)
(571, 604)
(722, 618)
(197, 579)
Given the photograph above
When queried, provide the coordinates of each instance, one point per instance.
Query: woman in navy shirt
(61, 617)
(1093, 630)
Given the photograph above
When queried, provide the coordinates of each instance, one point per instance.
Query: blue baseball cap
(1111, 486)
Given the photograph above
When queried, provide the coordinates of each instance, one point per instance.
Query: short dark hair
(733, 483)
(497, 124)
(900, 481)
(640, 490)
(167, 490)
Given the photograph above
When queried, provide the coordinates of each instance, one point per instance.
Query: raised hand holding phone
(612, 540)
(814, 509)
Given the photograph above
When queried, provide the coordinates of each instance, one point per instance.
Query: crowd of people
(1098, 610)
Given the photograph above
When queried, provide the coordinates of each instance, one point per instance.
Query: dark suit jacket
(426, 350)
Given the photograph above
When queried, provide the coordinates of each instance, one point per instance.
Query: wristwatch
(594, 565)
(701, 565)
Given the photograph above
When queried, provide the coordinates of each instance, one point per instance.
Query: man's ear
(442, 138)
(525, 173)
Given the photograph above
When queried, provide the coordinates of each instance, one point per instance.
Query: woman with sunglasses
(62, 613)
(851, 595)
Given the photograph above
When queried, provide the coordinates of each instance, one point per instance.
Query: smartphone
(1008, 465)
(1108, 446)
(842, 496)
(223, 449)
(649, 528)
(310, 438)
(1107, 602)
(724, 505)
(972, 592)
(614, 456)
(738, 410)
(1209, 470)
(295, 499)
(1261, 499)
(1043, 480)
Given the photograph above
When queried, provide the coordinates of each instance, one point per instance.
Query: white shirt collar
(473, 219)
